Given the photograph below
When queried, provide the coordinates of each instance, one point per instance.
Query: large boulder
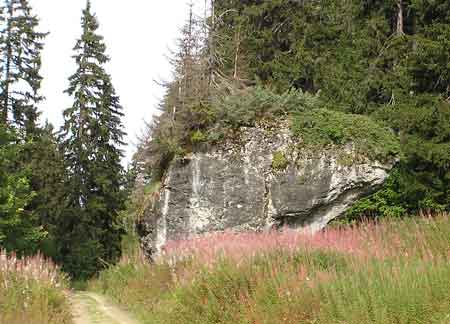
(263, 179)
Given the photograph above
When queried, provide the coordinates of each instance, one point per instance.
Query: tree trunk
(211, 44)
(7, 65)
(414, 31)
(237, 50)
(400, 31)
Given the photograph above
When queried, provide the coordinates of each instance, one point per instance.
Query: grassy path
(90, 308)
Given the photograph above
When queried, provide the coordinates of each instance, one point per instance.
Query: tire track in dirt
(91, 308)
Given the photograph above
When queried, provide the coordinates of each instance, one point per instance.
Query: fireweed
(425, 236)
(391, 271)
(31, 291)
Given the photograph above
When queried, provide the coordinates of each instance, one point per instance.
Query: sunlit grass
(32, 291)
(393, 271)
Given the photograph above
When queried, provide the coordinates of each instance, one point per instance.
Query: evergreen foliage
(372, 73)
(23, 141)
(21, 46)
(89, 230)
(44, 160)
(388, 60)
(19, 227)
(186, 107)
(324, 127)
(385, 60)
(245, 107)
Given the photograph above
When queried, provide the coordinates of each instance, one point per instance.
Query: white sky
(138, 34)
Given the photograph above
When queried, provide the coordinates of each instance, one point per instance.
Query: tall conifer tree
(23, 146)
(91, 139)
(21, 46)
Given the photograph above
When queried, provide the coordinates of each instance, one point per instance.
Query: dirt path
(90, 308)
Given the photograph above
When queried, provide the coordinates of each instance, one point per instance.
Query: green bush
(316, 126)
(402, 193)
(246, 107)
(20, 230)
(279, 161)
(198, 137)
(322, 127)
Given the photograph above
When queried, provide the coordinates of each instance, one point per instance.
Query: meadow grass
(32, 291)
(393, 271)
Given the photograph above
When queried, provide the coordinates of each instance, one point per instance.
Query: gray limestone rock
(234, 186)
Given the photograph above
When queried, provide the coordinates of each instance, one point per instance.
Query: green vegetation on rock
(323, 127)
(279, 161)
(246, 107)
(343, 73)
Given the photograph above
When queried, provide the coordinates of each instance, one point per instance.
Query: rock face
(261, 181)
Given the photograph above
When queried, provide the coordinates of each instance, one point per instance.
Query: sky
(138, 35)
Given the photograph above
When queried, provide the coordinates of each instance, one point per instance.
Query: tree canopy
(89, 228)
(384, 59)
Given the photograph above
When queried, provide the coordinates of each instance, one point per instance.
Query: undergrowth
(394, 271)
(32, 291)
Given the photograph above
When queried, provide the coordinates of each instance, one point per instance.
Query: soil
(91, 308)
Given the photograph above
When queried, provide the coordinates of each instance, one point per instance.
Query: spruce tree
(90, 231)
(46, 169)
(186, 109)
(21, 46)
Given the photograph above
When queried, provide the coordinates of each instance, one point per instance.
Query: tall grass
(31, 291)
(393, 271)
